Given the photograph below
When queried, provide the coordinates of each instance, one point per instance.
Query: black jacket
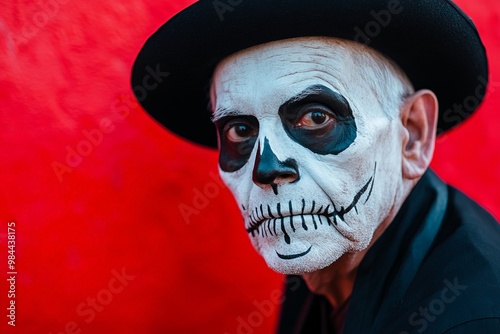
(436, 269)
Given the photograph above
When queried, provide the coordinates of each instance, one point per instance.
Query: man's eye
(240, 132)
(314, 119)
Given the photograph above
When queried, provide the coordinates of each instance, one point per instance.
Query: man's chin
(307, 251)
(301, 259)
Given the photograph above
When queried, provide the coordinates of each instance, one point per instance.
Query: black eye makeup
(237, 136)
(320, 120)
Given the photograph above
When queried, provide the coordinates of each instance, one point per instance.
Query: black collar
(389, 266)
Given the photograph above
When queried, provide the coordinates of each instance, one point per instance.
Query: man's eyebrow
(224, 112)
(312, 90)
(318, 93)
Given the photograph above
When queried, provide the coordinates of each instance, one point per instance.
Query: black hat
(433, 41)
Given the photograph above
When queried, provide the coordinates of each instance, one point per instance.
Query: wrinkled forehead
(272, 73)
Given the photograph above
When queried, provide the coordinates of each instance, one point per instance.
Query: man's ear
(419, 120)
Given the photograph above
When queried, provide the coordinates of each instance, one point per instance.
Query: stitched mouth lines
(267, 223)
(264, 221)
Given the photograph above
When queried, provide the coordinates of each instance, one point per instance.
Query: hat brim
(433, 41)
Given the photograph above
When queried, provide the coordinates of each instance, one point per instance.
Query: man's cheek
(239, 188)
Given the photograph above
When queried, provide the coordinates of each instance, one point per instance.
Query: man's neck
(336, 281)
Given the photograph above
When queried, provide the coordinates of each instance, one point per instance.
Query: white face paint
(307, 149)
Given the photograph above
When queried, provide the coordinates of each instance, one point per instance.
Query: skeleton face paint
(311, 157)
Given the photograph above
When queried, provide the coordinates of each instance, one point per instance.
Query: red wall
(101, 243)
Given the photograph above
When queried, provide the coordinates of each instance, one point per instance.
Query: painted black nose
(269, 170)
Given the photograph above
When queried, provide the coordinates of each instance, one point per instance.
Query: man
(327, 114)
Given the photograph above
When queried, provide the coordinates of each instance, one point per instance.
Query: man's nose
(269, 170)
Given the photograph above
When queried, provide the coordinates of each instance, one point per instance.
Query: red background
(64, 72)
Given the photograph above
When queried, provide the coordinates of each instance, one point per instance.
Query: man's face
(306, 148)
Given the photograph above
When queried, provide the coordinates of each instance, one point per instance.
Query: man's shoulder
(469, 237)
(456, 287)
(458, 284)
(464, 211)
